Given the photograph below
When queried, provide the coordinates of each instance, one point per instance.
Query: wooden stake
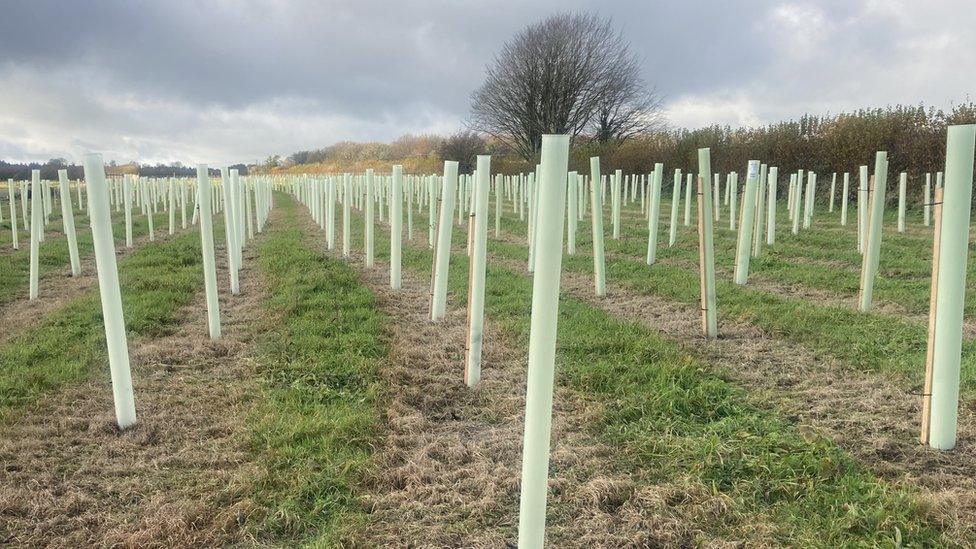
(930, 350)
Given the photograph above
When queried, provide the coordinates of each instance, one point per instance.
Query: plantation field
(333, 413)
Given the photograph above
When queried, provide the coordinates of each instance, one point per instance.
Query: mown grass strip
(317, 425)
(674, 417)
(157, 280)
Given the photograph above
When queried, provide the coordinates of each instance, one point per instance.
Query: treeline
(417, 154)
(407, 146)
(49, 170)
(914, 137)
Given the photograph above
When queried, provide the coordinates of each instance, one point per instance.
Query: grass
(822, 258)
(156, 280)
(53, 255)
(871, 341)
(319, 418)
(673, 417)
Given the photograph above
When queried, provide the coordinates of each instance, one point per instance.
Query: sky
(221, 82)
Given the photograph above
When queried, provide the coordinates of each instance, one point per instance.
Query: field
(333, 411)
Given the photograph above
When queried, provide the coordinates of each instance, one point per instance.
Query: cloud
(835, 57)
(222, 81)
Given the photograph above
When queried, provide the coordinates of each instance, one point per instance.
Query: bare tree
(463, 147)
(559, 76)
(628, 109)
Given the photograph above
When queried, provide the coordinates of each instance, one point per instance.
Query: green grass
(156, 281)
(318, 422)
(673, 417)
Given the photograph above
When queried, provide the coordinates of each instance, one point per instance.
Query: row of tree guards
(245, 202)
(551, 194)
(544, 198)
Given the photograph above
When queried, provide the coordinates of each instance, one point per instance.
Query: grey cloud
(236, 80)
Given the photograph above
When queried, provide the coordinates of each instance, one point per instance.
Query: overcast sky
(228, 81)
